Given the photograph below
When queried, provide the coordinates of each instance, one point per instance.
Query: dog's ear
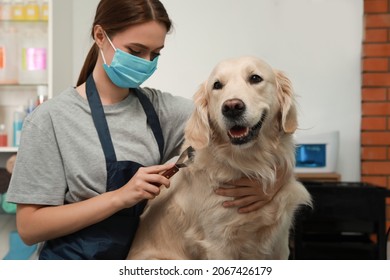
(197, 130)
(289, 116)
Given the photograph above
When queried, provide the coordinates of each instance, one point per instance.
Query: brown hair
(115, 16)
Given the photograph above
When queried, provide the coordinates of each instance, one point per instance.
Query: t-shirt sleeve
(38, 176)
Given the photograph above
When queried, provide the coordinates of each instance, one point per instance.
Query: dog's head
(239, 99)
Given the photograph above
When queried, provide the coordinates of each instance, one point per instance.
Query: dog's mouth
(240, 135)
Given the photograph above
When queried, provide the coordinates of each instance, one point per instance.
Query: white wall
(83, 15)
(316, 42)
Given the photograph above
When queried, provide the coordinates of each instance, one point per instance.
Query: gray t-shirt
(60, 158)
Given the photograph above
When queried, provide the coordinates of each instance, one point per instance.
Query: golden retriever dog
(242, 126)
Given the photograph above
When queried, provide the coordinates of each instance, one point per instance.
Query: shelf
(23, 21)
(21, 85)
(8, 149)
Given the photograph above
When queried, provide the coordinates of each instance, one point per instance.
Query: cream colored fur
(187, 221)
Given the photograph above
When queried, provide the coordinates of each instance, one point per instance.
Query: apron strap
(152, 119)
(99, 120)
(101, 125)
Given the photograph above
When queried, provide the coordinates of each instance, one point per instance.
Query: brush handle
(170, 172)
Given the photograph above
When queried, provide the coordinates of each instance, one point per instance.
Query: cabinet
(24, 84)
(14, 95)
(347, 221)
(23, 64)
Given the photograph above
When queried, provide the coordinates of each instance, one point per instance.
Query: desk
(348, 221)
(327, 177)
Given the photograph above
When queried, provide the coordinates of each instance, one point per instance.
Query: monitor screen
(310, 155)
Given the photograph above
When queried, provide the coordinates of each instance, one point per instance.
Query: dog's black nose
(233, 108)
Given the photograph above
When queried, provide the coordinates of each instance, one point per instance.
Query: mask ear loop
(109, 40)
(112, 45)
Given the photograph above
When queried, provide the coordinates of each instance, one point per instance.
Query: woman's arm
(38, 223)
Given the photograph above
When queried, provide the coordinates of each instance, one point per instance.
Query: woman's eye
(255, 79)
(217, 85)
(134, 52)
(154, 55)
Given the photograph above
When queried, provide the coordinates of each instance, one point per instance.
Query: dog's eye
(255, 79)
(217, 85)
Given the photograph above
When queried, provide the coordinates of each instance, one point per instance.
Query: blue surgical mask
(127, 70)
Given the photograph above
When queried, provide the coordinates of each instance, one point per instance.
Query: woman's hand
(248, 194)
(145, 184)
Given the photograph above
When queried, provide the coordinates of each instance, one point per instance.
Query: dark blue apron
(112, 237)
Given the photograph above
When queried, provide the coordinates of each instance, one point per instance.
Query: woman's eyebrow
(143, 46)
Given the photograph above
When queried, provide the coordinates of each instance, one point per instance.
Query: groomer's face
(145, 40)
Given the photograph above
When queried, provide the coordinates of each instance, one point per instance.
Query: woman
(91, 157)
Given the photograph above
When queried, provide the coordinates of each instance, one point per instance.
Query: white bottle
(5, 10)
(33, 55)
(41, 94)
(8, 55)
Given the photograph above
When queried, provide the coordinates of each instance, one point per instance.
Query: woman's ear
(289, 116)
(98, 35)
(197, 130)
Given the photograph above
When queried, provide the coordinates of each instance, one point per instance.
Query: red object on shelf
(3, 140)
(3, 136)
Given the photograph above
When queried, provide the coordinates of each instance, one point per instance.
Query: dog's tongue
(238, 131)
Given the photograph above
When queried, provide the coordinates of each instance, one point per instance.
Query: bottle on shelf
(33, 55)
(44, 10)
(17, 10)
(5, 11)
(30, 106)
(41, 94)
(8, 55)
(3, 136)
(32, 10)
(18, 124)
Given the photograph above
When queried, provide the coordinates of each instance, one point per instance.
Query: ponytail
(89, 64)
